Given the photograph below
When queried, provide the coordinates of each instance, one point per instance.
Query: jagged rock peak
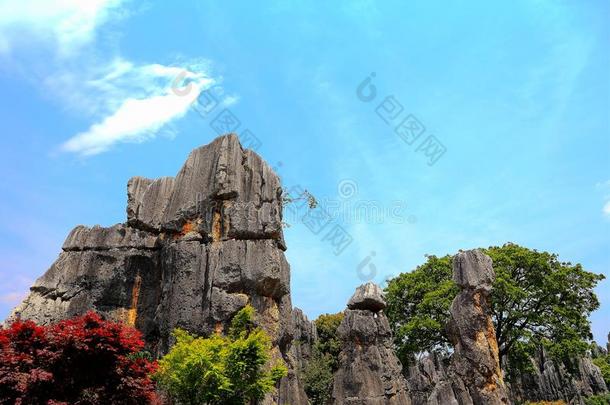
(369, 297)
(222, 191)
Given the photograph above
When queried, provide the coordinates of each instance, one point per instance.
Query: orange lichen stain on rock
(189, 226)
(132, 313)
(490, 387)
(490, 333)
(481, 340)
(216, 226)
(476, 298)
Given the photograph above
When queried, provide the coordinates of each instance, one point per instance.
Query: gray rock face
(304, 337)
(471, 330)
(551, 381)
(369, 372)
(432, 381)
(195, 250)
(473, 270)
(222, 191)
(368, 296)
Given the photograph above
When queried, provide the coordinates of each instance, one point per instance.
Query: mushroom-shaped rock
(369, 297)
(473, 270)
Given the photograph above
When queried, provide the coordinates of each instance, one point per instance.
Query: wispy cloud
(70, 24)
(126, 101)
(136, 120)
(135, 103)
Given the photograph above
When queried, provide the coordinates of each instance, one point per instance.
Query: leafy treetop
(537, 301)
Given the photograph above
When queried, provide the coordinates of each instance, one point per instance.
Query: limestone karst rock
(475, 360)
(369, 372)
(194, 250)
(549, 380)
(432, 381)
(368, 296)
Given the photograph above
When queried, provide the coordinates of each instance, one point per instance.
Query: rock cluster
(475, 360)
(432, 381)
(195, 250)
(550, 381)
(369, 372)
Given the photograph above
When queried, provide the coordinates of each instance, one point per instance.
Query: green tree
(318, 378)
(232, 369)
(328, 340)
(318, 374)
(537, 301)
(418, 307)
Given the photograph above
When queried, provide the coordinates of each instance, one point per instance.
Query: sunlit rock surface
(195, 250)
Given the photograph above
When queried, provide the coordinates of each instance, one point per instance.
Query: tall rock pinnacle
(472, 332)
(195, 250)
(369, 371)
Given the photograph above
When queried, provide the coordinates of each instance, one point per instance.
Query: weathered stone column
(369, 372)
(472, 332)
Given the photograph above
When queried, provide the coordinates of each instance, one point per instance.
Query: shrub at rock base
(84, 360)
(228, 370)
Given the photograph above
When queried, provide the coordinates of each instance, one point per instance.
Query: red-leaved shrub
(84, 360)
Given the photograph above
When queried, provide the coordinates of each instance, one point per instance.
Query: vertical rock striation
(369, 372)
(475, 360)
(549, 380)
(195, 250)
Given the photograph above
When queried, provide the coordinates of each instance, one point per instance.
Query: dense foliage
(601, 399)
(85, 360)
(318, 375)
(231, 370)
(418, 307)
(537, 301)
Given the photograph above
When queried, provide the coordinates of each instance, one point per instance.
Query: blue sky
(517, 94)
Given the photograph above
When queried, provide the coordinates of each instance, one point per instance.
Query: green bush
(318, 378)
(602, 399)
(230, 370)
(318, 374)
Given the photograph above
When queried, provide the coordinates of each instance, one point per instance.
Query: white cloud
(606, 209)
(127, 101)
(136, 120)
(68, 23)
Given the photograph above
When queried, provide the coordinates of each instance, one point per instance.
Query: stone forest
(199, 247)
